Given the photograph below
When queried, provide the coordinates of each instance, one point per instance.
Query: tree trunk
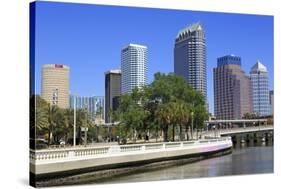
(65, 138)
(156, 134)
(49, 137)
(173, 133)
(165, 132)
(180, 133)
(186, 132)
(196, 133)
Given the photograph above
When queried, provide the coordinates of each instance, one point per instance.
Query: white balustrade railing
(154, 146)
(188, 143)
(41, 155)
(130, 148)
(173, 144)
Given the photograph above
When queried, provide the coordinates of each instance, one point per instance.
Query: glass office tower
(190, 57)
(259, 82)
(94, 105)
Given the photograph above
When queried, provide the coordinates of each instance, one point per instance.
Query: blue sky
(89, 38)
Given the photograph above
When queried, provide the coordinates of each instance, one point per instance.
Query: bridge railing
(58, 154)
(245, 129)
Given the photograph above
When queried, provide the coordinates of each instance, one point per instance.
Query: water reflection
(245, 159)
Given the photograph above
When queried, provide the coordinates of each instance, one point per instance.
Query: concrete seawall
(46, 164)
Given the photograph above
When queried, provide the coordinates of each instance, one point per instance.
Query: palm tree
(68, 122)
(180, 114)
(51, 113)
(164, 117)
(173, 110)
(41, 120)
(200, 115)
(38, 116)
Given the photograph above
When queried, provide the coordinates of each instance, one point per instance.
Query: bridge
(239, 130)
(245, 130)
(243, 134)
(232, 123)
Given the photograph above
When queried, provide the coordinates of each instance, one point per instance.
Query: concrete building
(133, 67)
(112, 92)
(271, 101)
(232, 89)
(55, 84)
(190, 57)
(94, 105)
(260, 90)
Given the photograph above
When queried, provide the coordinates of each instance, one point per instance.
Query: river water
(245, 159)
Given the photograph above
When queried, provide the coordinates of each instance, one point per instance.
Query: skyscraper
(190, 57)
(133, 67)
(55, 84)
(232, 89)
(94, 105)
(112, 92)
(259, 82)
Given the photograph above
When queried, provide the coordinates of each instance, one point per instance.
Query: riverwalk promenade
(46, 163)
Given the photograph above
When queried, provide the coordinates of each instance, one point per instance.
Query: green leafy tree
(132, 113)
(68, 123)
(164, 117)
(249, 115)
(165, 103)
(200, 115)
(41, 117)
(60, 126)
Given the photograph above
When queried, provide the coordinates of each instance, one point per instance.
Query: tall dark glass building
(190, 57)
(112, 92)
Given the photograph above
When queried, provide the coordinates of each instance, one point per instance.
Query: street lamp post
(86, 128)
(192, 125)
(74, 123)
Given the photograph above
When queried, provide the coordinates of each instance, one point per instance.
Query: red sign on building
(58, 66)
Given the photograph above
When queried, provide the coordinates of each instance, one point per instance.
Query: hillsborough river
(243, 160)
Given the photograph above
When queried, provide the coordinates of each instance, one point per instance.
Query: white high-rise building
(259, 80)
(133, 67)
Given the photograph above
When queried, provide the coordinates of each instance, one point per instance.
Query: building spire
(193, 27)
(258, 67)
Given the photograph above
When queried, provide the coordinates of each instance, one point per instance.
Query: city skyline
(63, 40)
